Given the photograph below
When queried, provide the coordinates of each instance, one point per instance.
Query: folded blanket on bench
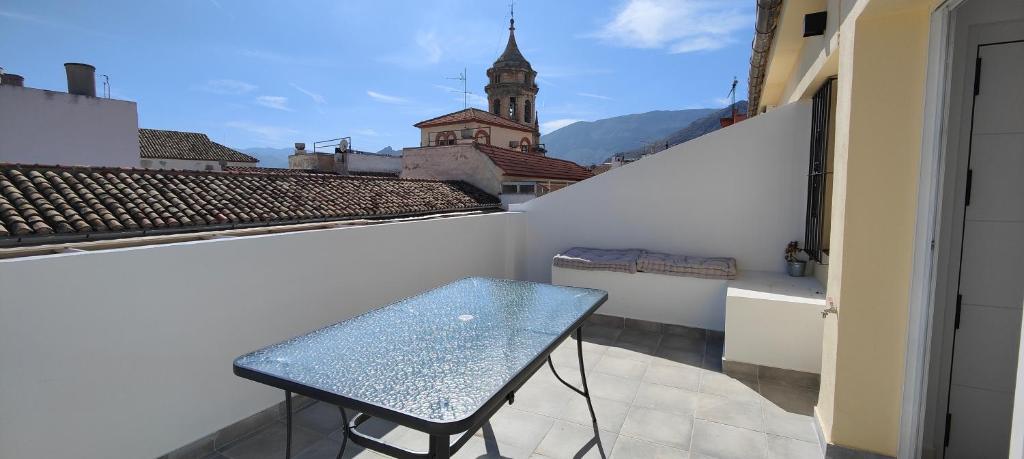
(682, 265)
(599, 259)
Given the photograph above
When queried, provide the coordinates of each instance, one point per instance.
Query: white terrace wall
(127, 353)
(738, 192)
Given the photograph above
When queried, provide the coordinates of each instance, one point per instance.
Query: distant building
(345, 161)
(513, 175)
(38, 126)
(498, 150)
(160, 149)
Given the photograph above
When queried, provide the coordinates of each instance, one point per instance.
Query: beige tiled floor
(656, 396)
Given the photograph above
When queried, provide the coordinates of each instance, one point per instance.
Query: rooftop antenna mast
(106, 86)
(465, 87)
(732, 98)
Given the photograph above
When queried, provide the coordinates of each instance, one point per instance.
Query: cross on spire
(512, 15)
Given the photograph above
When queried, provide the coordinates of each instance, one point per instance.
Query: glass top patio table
(433, 361)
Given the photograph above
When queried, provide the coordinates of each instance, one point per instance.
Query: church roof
(518, 164)
(473, 114)
(512, 58)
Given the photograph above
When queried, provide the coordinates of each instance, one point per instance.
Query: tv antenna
(465, 87)
(106, 86)
(732, 98)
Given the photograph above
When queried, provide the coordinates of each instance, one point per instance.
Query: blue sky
(261, 73)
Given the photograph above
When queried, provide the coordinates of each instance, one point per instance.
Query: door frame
(953, 42)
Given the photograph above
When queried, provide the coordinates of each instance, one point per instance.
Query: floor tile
(732, 412)
(634, 448)
(600, 335)
(640, 337)
(612, 387)
(572, 440)
(623, 368)
(679, 357)
(517, 428)
(488, 447)
(729, 387)
(321, 417)
(328, 449)
(270, 443)
(794, 425)
(658, 426)
(543, 394)
(727, 442)
(568, 357)
(666, 398)
(792, 399)
(788, 448)
(610, 413)
(688, 343)
(631, 351)
(682, 377)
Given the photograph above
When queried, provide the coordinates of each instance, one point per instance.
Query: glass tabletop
(438, 356)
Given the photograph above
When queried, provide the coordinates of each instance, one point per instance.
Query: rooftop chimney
(10, 79)
(81, 79)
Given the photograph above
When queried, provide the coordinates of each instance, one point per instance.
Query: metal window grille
(817, 172)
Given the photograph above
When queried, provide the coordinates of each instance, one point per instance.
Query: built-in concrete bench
(770, 319)
(679, 290)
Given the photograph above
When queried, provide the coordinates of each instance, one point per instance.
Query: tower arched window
(527, 111)
(497, 107)
(512, 109)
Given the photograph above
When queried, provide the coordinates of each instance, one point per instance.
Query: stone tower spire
(512, 87)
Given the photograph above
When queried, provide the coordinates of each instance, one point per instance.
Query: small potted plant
(794, 266)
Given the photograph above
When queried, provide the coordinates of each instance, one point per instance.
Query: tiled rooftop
(655, 394)
(57, 200)
(161, 144)
(473, 114)
(518, 164)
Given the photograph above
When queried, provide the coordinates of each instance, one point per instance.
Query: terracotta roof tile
(472, 114)
(155, 143)
(48, 200)
(519, 164)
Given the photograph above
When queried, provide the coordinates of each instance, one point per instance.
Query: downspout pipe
(764, 34)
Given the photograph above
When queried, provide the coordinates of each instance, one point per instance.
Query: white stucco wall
(738, 192)
(47, 127)
(127, 353)
(374, 163)
(452, 162)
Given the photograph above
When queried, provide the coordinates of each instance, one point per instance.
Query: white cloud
(233, 87)
(266, 132)
(427, 42)
(282, 59)
(593, 96)
(317, 98)
(555, 125)
(681, 26)
(386, 98)
(275, 102)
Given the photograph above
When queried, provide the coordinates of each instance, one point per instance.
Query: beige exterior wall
(500, 136)
(877, 147)
(453, 162)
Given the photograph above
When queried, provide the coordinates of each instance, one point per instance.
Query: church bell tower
(512, 88)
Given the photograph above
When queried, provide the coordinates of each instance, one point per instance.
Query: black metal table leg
(440, 447)
(288, 409)
(344, 432)
(583, 374)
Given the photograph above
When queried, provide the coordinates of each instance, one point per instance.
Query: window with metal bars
(819, 174)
